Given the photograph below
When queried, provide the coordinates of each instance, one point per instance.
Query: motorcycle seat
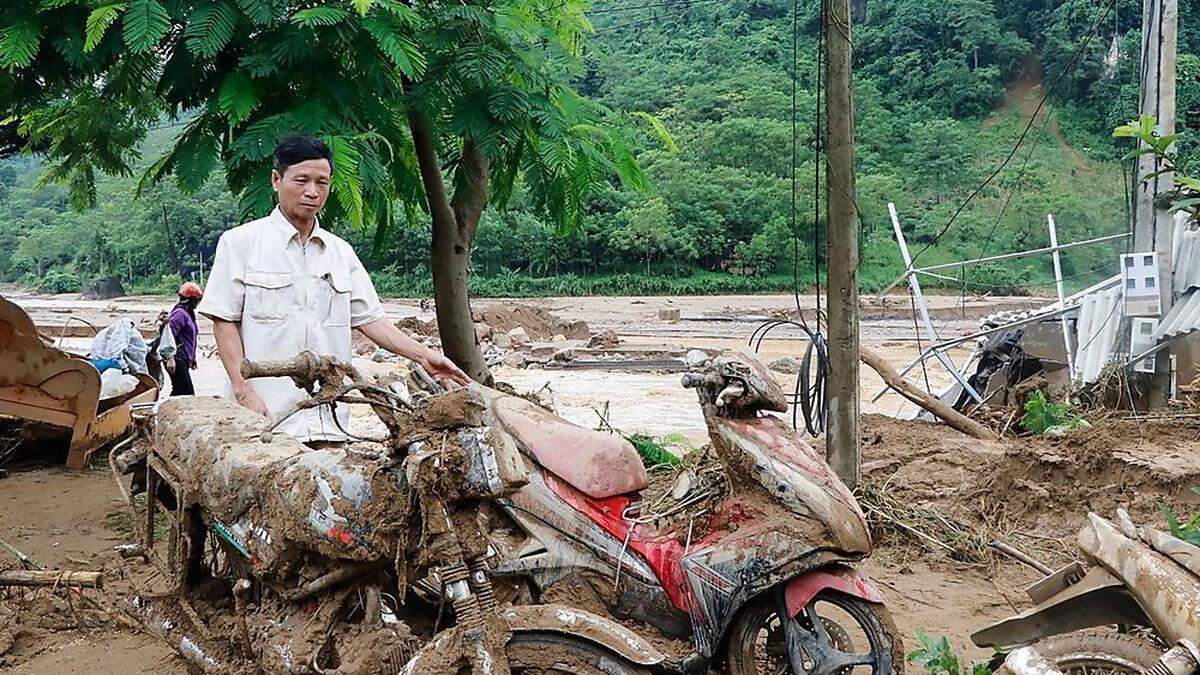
(596, 463)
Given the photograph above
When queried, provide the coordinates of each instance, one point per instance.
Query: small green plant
(1042, 416)
(1188, 530)
(936, 657)
(653, 453)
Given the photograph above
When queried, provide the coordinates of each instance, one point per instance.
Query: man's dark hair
(296, 148)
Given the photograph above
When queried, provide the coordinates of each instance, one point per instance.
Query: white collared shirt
(291, 296)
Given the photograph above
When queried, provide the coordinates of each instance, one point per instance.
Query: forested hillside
(944, 89)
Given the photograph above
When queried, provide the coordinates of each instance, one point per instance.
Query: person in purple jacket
(182, 323)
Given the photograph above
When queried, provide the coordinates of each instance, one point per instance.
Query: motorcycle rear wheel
(757, 645)
(1100, 652)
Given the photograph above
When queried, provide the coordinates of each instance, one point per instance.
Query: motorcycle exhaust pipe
(1182, 659)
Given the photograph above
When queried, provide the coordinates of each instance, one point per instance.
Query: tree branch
(949, 415)
(430, 166)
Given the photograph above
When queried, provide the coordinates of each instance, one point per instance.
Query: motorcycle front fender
(841, 578)
(1098, 599)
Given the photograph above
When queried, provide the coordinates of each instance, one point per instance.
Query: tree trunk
(454, 224)
(947, 414)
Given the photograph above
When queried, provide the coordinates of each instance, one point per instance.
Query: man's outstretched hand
(248, 398)
(443, 370)
(385, 334)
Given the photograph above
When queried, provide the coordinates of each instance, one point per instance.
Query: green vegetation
(943, 91)
(654, 453)
(1189, 530)
(1043, 417)
(1186, 195)
(935, 657)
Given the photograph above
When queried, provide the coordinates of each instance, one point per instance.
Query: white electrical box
(1139, 282)
(1141, 339)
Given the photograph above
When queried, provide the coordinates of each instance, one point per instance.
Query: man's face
(303, 187)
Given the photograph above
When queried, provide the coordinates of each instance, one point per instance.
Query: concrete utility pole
(1152, 224)
(841, 217)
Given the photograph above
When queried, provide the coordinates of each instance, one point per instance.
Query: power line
(1033, 118)
(1017, 183)
(963, 283)
(808, 398)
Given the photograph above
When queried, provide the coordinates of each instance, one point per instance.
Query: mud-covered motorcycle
(1131, 606)
(484, 534)
(761, 582)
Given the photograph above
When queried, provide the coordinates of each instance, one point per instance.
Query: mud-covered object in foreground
(448, 544)
(1136, 590)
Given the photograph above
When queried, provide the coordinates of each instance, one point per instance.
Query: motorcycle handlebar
(300, 364)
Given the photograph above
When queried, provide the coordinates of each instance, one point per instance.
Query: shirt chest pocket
(270, 296)
(333, 298)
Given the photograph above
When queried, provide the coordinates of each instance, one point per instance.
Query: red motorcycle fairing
(794, 476)
(841, 578)
(711, 580)
(788, 515)
(662, 554)
(731, 570)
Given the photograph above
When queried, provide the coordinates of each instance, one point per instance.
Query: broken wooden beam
(935, 406)
(51, 578)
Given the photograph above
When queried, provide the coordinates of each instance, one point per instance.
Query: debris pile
(41, 383)
(518, 335)
(681, 500)
(537, 323)
(927, 487)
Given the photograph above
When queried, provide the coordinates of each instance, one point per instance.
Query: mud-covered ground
(1033, 495)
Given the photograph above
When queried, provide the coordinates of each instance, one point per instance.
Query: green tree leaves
(210, 27)
(146, 22)
(1163, 148)
(347, 184)
(388, 32)
(196, 156)
(238, 98)
(261, 12)
(20, 37)
(98, 22)
(488, 74)
(314, 17)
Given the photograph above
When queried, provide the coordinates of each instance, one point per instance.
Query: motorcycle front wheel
(837, 635)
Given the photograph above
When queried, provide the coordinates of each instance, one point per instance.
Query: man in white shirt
(282, 284)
